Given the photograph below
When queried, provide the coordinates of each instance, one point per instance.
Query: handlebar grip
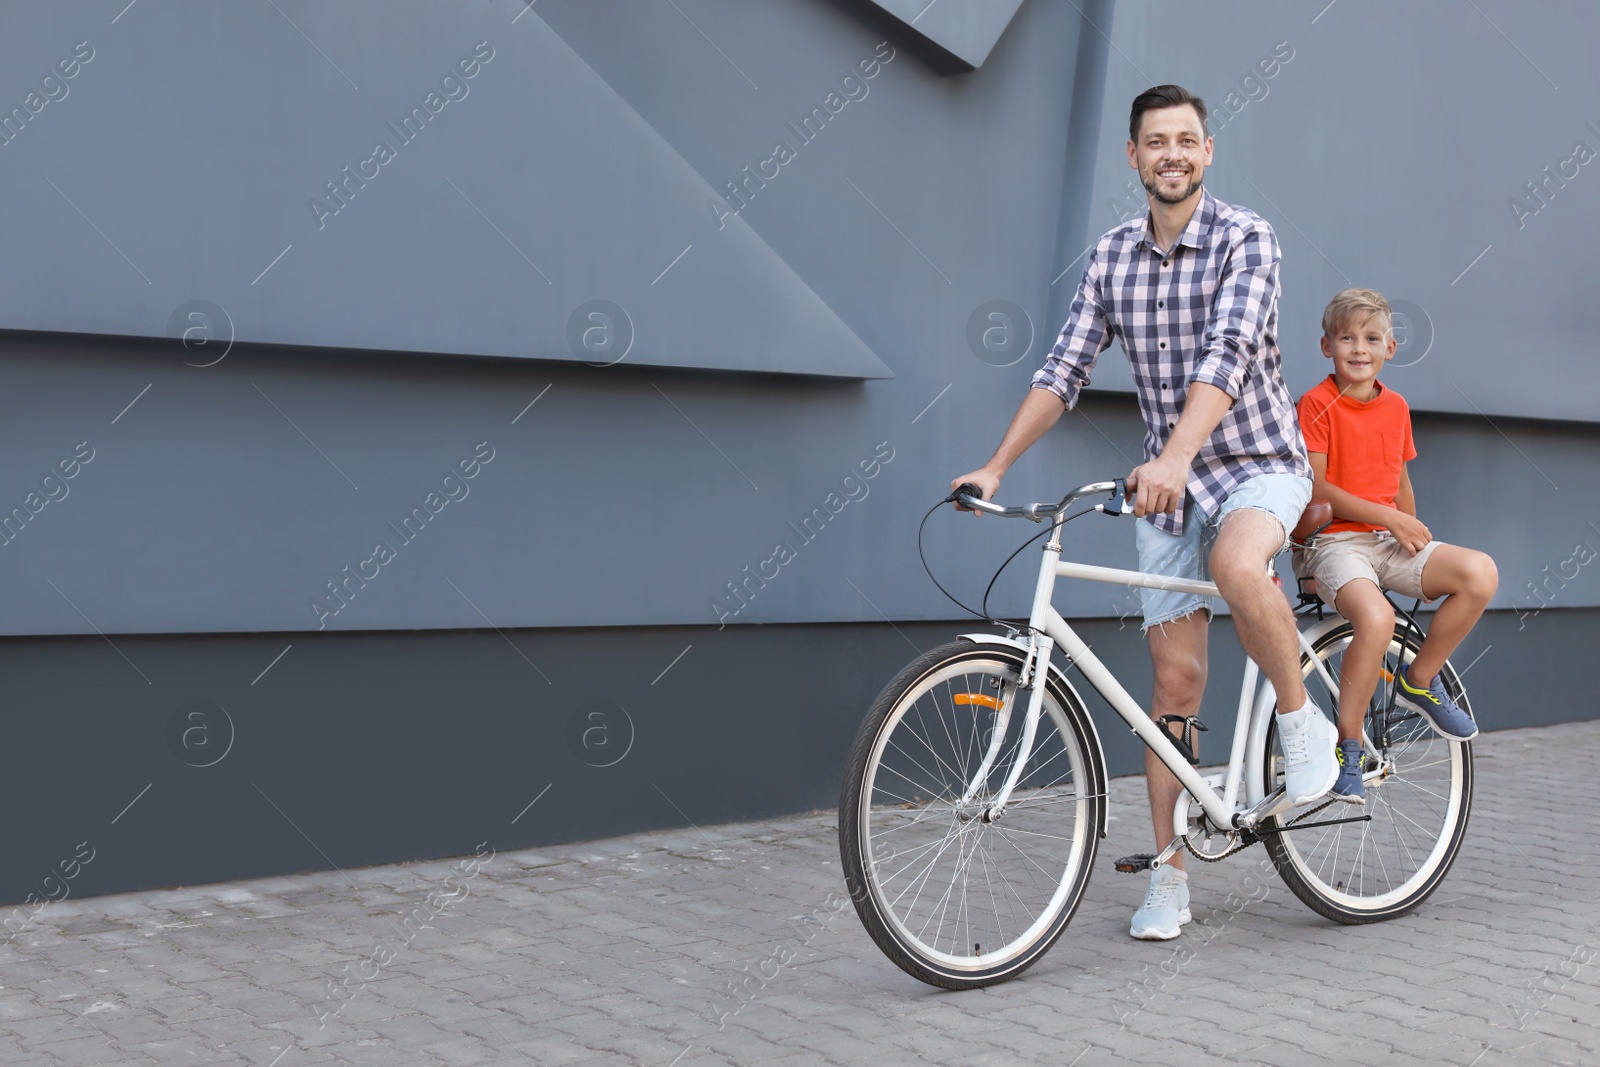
(967, 489)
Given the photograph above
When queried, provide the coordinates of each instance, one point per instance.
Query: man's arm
(1086, 334)
(1161, 482)
(1039, 411)
(1400, 521)
(1247, 294)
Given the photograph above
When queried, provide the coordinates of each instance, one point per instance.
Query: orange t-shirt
(1367, 443)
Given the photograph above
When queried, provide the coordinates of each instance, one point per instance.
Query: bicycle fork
(1035, 675)
(1034, 669)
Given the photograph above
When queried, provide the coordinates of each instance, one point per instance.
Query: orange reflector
(978, 698)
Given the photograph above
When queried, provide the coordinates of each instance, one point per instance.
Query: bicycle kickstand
(1145, 861)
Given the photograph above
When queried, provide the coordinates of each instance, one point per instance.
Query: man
(1191, 290)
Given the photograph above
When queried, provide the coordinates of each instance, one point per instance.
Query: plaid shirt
(1205, 312)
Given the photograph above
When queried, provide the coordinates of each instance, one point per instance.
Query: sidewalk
(737, 945)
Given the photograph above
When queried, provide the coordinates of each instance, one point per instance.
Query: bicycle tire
(1436, 806)
(1065, 751)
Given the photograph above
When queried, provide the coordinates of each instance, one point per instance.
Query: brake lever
(1120, 504)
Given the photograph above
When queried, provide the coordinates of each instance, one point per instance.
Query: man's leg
(1178, 653)
(1175, 625)
(1248, 539)
(1261, 615)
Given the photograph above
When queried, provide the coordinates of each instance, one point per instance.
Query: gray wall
(743, 369)
(229, 495)
(371, 748)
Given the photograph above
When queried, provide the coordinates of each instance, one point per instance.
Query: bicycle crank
(1201, 837)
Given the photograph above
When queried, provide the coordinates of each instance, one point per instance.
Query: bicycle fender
(1097, 754)
(1255, 750)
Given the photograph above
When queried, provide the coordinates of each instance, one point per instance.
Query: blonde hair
(1355, 304)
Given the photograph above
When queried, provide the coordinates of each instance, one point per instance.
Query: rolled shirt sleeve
(1246, 302)
(1086, 334)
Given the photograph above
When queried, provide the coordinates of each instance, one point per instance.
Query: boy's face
(1171, 154)
(1359, 349)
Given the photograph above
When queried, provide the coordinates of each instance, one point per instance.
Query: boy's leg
(1467, 579)
(1362, 602)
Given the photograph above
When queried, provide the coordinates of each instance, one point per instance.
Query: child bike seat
(1318, 516)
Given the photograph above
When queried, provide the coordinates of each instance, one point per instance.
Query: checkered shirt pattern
(1205, 312)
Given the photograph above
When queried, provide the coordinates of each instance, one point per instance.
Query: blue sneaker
(1348, 787)
(1436, 706)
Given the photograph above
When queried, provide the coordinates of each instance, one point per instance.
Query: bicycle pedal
(1139, 861)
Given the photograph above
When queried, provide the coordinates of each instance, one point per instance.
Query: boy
(1358, 436)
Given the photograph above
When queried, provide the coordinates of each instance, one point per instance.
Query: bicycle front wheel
(953, 898)
(1419, 800)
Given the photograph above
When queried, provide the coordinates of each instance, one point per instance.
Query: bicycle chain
(1241, 847)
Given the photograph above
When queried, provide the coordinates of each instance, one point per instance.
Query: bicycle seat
(1318, 516)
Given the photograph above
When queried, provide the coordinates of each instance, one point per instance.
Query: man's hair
(1354, 304)
(1160, 96)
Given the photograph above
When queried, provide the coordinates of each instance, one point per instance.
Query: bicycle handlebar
(967, 495)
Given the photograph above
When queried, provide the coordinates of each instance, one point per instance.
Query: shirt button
(1166, 262)
(1161, 303)
(1163, 344)
(1164, 385)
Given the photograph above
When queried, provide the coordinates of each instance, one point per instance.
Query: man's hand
(1161, 484)
(986, 480)
(1409, 531)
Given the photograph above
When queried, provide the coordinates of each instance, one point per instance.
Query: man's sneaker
(1349, 788)
(1165, 908)
(1435, 705)
(1309, 769)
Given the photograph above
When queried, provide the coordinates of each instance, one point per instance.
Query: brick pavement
(736, 945)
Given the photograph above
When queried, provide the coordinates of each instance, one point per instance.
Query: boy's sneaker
(1349, 788)
(1309, 768)
(1165, 908)
(1436, 706)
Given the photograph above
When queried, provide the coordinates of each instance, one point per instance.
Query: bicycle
(967, 831)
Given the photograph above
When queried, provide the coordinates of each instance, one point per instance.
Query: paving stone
(643, 949)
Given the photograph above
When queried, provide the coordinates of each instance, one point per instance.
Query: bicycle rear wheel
(1419, 802)
(952, 898)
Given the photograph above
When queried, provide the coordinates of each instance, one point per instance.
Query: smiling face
(1359, 348)
(1171, 153)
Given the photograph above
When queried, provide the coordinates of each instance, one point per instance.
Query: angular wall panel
(470, 187)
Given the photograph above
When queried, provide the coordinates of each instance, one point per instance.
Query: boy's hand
(986, 480)
(1410, 532)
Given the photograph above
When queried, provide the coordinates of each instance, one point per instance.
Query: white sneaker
(1165, 908)
(1309, 765)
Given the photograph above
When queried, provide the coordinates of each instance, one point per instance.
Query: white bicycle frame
(1048, 630)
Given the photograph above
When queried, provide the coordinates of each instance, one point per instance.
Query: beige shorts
(1374, 555)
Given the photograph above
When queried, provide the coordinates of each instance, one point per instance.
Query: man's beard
(1152, 185)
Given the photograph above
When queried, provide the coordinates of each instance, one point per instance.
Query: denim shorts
(1185, 555)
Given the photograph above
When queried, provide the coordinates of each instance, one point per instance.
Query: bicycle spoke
(1031, 833)
(1415, 802)
(939, 881)
(937, 758)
